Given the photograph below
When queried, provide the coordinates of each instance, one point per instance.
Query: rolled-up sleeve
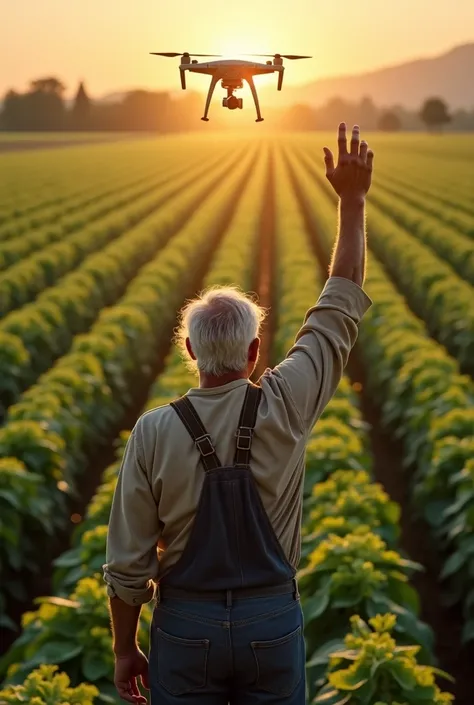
(314, 366)
(131, 560)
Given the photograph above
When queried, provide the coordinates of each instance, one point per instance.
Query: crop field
(100, 246)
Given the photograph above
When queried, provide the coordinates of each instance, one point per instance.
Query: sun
(240, 46)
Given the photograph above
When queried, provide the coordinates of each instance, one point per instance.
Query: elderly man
(217, 478)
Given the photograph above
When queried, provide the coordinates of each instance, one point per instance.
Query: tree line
(43, 108)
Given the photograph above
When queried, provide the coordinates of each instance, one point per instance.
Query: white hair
(220, 324)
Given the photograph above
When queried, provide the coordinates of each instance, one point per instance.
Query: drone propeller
(179, 53)
(282, 56)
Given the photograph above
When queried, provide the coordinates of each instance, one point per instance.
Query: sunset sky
(106, 42)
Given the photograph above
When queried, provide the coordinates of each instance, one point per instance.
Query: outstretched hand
(352, 176)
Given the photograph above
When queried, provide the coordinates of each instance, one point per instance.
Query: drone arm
(280, 78)
(214, 82)
(255, 97)
(183, 78)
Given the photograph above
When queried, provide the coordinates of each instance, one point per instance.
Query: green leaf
(314, 606)
(454, 563)
(321, 655)
(57, 652)
(68, 559)
(94, 668)
(403, 674)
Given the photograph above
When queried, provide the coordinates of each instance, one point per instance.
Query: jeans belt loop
(157, 594)
(228, 599)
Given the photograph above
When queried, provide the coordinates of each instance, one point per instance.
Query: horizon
(342, 40)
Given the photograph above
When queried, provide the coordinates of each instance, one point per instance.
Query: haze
(106, 43)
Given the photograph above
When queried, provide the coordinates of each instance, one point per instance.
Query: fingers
(342, 140)
(370, 159)
(124, 692)
(363, 151)
(128, 691)
(329, 161)
(355, 141)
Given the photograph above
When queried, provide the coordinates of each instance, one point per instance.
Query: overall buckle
(244, 437)
(204, 445)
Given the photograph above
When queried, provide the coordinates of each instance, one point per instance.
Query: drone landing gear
(214, 82)
(255, 98)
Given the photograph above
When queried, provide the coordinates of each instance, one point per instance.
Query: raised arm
(314, 366)
(351, 179)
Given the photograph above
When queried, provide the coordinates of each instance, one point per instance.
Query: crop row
(33, 186)
(454, 218)
(81, 399)
(453, 247)
(431, 287)
(426, 402)
(76, 576)
(439, 167)
(35, 335)
(34, 183)
(62, 215)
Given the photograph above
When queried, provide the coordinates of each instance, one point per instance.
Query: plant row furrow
(34, 336)
(61, 218)
(27, 278)
(16, 250)
(451, 216)
(453, 247)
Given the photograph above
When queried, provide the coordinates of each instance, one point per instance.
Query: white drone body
(232, 73)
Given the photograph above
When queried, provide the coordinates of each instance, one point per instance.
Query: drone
(232, 73)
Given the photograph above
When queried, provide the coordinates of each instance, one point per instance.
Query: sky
(106, 43)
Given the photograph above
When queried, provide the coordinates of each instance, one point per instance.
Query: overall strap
(248, 418)
(189, 416)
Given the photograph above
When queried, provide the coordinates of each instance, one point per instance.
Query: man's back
(161, 456)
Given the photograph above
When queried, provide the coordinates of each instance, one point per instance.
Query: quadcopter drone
(232, 72)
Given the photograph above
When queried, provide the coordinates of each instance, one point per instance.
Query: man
(217, 478)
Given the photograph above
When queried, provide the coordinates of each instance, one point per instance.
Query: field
(100, 245)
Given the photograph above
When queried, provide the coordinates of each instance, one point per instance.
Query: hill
(409, 84)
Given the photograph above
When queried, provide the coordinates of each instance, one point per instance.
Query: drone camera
(232, 103)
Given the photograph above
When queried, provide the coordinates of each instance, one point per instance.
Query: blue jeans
(206, 653)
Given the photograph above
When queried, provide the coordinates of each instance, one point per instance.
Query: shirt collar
(222, 389)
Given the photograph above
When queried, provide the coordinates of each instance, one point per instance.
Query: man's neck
(208, 381)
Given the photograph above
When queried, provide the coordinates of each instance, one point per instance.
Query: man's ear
(254, 348)
(189, 349)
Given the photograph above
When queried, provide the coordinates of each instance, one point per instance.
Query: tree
(49, 85)
(81, 108)
(389, 122)
(434, 113)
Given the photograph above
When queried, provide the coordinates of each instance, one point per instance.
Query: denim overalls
(228, 626)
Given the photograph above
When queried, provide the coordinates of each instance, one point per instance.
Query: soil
(100, 458)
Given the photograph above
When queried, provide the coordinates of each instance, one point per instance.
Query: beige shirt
(161, 476)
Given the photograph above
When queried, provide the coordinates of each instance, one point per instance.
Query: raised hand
(352, 176)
